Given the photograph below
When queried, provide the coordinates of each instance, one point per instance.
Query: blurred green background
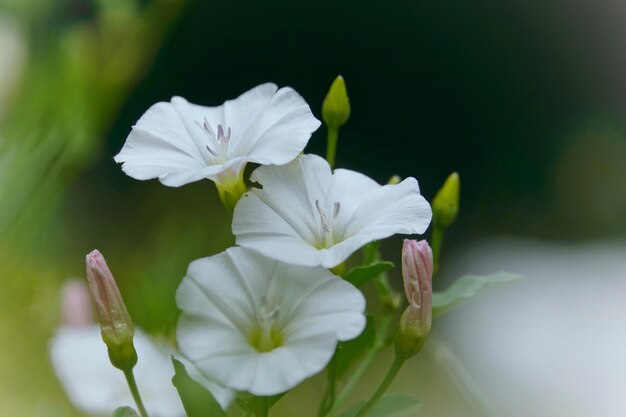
(526, 100)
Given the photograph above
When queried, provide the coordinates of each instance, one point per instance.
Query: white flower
(81, 362)
(307, 215)
(257, 325)
(180, 142)
(94, 386)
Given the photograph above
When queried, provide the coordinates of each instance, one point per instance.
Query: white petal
(392, 209)
(280, 131)
(314, 309)
(223, 396)
(169, 141)
(284, 208)
(329, 304)
(159, 144)
(93, 385)
(283, 221)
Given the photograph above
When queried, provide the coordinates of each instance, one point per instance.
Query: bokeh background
(526, 100)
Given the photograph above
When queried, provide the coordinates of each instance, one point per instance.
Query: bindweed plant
(286, 303)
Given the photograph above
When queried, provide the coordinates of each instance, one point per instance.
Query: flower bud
(336, 105)
(116, 326)
(417, 272)
(395, 179)
(446, 202)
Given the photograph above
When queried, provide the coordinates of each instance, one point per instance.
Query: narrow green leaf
(359, 275)
(348, 353)
(467, 288)
(390, 405)
(124, 412)
(197, 400)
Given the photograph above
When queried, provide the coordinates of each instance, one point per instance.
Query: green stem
(331, 145)
(357, 375)
(435, 244)
(329, 396)
(391, 374)
(130, 378)
(265, 407)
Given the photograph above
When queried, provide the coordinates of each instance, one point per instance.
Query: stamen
(227, 138)
(323, 219)
(211, 151)
(319, 210)
(207, 127)
(337, 208)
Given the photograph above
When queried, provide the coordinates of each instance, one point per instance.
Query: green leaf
(124, 412)
(197, 400)
(348, 353)
(467, 288)
(390, 405)
(359, 275)
(253, 404)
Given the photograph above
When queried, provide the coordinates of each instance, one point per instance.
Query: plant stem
(265, 407)
(130, 378)
(331, 146)
(435, 244)
(391, 374)
(329, 395)
(357, 375)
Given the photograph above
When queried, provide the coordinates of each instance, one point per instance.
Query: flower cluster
(261, 317)
(264, 316)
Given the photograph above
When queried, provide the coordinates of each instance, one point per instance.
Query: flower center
(328, 233)
(266, 335)
(218, 144)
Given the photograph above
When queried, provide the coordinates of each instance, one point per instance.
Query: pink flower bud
(417, 272)
(116, 325)
(76, 306)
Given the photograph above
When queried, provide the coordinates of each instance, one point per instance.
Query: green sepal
(197, 400)
(123, 357)
(468, 288)
(390, 405)
(359, 275)
(348, 353)
(124, 412)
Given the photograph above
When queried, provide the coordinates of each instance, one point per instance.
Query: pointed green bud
(116, 326)
(446, 202)
(336, 105)
(394, 180)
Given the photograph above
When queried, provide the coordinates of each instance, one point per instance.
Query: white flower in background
(307, 215)
(180, 142)
(257, 325)
(93, 385)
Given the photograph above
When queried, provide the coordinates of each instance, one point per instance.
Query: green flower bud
(116, 326)
(446, 202)
(395, 179)
(336, 105)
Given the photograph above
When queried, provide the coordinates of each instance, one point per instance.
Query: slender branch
(328, 400)
(331, 145)
(391, 374)
(265, 407)
(132, 384)
(435, 244)
(366, 363)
